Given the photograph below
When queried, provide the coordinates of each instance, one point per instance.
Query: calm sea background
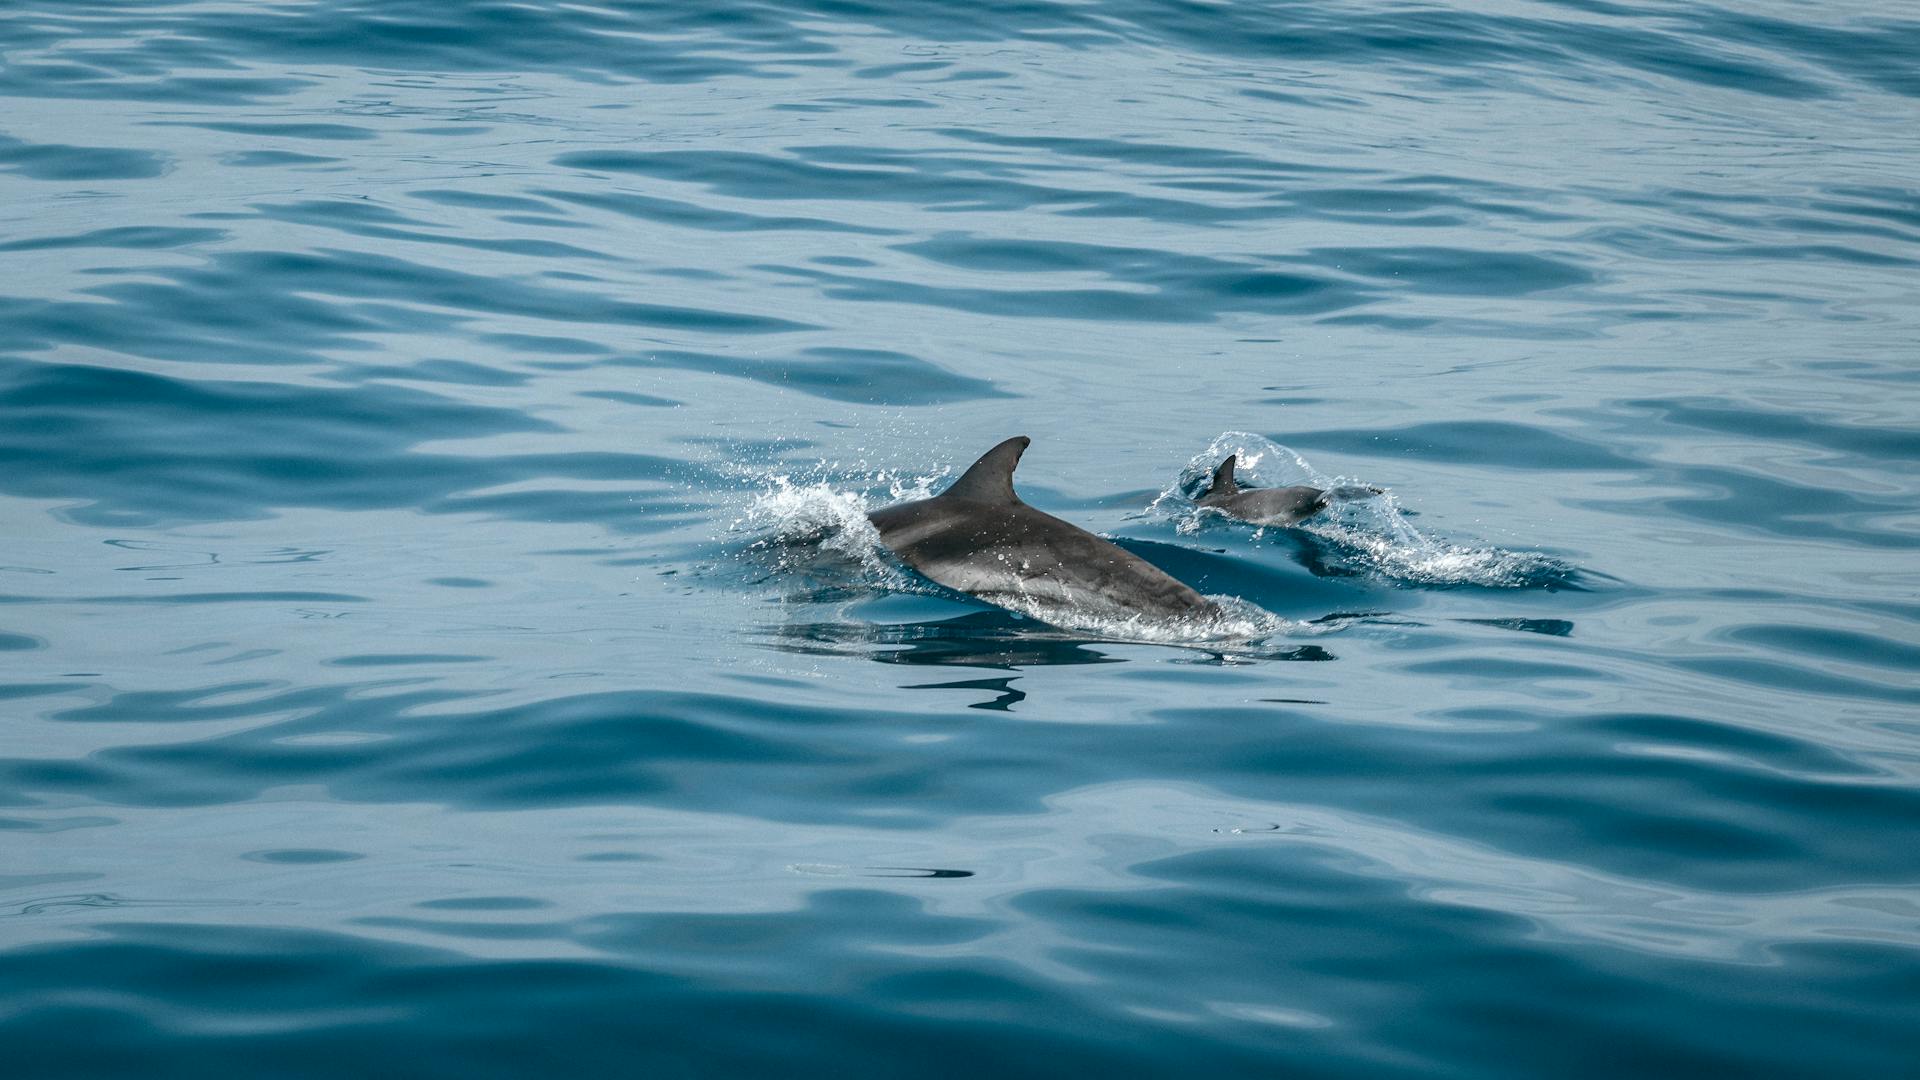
(436, 639)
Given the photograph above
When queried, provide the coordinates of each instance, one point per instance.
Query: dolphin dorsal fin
(1223, 484)
(990, 480)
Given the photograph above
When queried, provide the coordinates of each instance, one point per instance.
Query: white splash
(794, 523)
(1366, 529)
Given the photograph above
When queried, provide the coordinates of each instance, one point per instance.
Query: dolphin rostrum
(977, 537)
(1271, 506)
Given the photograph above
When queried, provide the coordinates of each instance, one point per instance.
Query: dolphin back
(1022, 558)
(1262, 506)
(977, 537)
(1273, 506)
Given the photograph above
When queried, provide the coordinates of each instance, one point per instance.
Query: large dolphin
(978, 537)
(1271, 506)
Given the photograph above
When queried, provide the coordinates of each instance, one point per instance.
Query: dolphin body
(978, 538)
(1272, 506)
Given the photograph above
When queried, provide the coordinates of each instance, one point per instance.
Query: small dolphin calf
(978, 537)
(1271, 506)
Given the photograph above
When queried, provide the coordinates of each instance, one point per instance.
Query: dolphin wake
(1362, 530)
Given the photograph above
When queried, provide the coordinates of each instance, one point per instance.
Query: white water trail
(1367, 530)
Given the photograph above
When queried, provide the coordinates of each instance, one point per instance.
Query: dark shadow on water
(1001, 641)
(1007, 697)
(1308, 654)
(1549, 627)
(916, 872)
(987, 639)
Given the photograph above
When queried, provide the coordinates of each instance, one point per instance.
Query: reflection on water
(995, 639)
(989, 639)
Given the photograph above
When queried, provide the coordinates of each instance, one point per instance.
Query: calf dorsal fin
(1223, 484)
(990, 480)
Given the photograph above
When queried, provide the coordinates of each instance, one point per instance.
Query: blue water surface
(437, 637)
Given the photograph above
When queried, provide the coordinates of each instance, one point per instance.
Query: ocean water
(439, 635)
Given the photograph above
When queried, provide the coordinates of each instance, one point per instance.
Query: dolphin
(1271, 506)
(978, 538)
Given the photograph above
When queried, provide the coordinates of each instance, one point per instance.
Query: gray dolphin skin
(978, 538)
(1262, 506)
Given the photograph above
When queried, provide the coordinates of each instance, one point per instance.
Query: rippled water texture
(438, 635)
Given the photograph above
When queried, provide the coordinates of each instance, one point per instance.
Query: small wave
(1363, 530)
